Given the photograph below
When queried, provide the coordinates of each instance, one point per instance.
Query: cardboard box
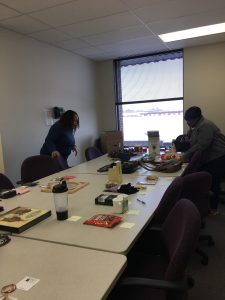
(111, 141)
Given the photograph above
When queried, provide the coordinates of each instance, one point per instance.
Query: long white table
(91, 167)
(65, 272)
(81, 204)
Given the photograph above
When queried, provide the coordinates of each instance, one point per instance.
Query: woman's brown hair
(67, 119)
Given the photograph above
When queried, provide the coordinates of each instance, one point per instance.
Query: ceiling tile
(71, 44)
(80, 10)
(88, 50)
(23, 24)
(111, 28)
(25, 6)
(6, 12)
(134, 4)
(118, 36)
(144, 43)
(99, 25)
(187, 22)
(49, 36)
(175, 9)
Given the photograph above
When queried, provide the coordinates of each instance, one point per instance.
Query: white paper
(27, 283)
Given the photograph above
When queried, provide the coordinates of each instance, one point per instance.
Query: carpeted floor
(210, 279)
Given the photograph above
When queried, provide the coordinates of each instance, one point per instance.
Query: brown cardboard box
(111, 141)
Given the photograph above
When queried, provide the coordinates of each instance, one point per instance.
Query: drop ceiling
(110, 29)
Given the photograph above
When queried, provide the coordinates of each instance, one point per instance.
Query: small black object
(7, 194)
(4, 239)
(129, 167)
(128, 189)
(105, 199)
(106, 167)
(57, 112)
(1, 208)
(60, 188)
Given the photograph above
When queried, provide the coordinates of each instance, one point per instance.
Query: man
(207, 137)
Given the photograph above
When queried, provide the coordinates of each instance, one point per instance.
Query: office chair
(169, 199)
(92, 152)
(154, 276)
(98, 144)
(38, 166)
(196, 187)
(194, 164)
(5, 183)
(61, 163)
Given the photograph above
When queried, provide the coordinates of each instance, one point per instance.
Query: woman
(60, 139)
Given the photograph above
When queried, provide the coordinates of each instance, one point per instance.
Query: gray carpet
(210, 279)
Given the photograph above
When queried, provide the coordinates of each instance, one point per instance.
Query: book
(21, 218)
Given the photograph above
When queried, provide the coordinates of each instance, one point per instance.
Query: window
(149, 96)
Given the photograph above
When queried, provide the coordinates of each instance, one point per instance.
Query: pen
(143, 202)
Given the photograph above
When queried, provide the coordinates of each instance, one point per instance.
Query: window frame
(118, 90)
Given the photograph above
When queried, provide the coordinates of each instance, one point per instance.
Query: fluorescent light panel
(193, 32)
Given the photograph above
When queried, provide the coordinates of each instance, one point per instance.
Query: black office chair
(196, 187)
(98, 144)
(169, 199)
(194, 165)
(61, 162)
(5, 183)
(154, 276)
(38, 166)
(92, 152)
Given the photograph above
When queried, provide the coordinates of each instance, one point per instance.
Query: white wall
(204, 81)
(106, 96)
(34, 76)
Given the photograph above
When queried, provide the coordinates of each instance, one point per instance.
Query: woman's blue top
(59, 139)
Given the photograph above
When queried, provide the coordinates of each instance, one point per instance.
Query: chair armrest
(153, 283)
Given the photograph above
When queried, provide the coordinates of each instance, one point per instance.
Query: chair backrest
(180, 233)
(61, 163)
(196, 187)
(5, 183)
(169, 199)
(194, 164)
(92, 152)
(98, 144)
(38, 166)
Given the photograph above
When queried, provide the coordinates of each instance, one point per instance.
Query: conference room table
(69, 257)
(64, 272)
(92, 166)
(82, 207)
